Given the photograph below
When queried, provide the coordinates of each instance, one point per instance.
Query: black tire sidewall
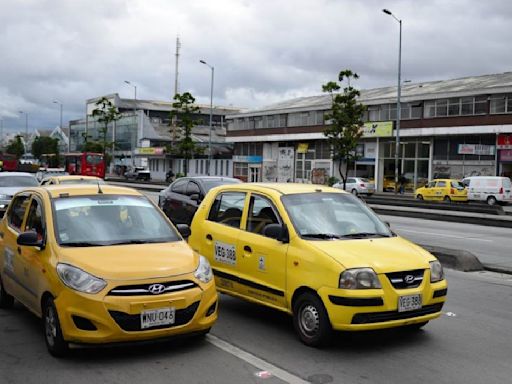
(60, 346)
(6, 300)
(491, 200)
(322, 337)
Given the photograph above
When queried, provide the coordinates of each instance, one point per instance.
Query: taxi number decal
(225, 253)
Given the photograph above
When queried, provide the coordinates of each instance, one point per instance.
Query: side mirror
(184, 230)
(278, 232)
(29, 238)
(194, 197)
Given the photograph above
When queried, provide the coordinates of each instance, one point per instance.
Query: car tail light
(362, 185)
(452, 191)
(501, 191)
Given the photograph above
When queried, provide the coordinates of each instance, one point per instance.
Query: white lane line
(442, 235)
(255, 361)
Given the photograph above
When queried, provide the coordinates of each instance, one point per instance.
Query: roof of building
(465, 86)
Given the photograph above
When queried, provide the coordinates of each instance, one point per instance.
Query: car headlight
(79, 280)
(204, 271)
(359, 278)
(436, 271)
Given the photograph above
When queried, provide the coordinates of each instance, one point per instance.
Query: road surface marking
(442, 235)
(255, 361)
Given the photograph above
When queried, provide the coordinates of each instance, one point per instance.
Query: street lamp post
(211, 115)
(26, 128)
(60, 125)
(134, 114)
(397, 148)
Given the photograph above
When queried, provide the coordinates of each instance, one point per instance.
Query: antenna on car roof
(99, 188)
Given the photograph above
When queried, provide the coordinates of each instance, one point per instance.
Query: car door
(351, 184)
(174, 202)
(13, 268)
(428, 191)
(440, 190)
(31, 258)
(262, 265)
(221, 230)
(193, 193)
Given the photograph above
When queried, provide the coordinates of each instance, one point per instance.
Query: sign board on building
(506, 155)
(378, 129)
(504, 141)
(302, 148)
(247, 159)
(150, 151)
(476, 149)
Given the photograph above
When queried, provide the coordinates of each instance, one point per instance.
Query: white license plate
(225, 253)
(409, 303)
(157, 317)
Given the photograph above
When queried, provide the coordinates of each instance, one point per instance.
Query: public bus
(85, 164)
(9, 162)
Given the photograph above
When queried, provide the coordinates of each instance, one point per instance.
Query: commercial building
(450, 128)
(144, 133)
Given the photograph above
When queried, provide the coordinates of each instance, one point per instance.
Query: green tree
(182, 115)
(16, 147)
(346, 116)
(105, 113)
(44, 145)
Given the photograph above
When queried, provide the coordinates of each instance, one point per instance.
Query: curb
(457, 259)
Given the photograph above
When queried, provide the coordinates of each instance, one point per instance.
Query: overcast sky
(263, 51)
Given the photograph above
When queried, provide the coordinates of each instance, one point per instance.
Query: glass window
(227, 209)
(35, 220)
(454, 106)
(509, 103)
(392, 112)
(467, 106)
(282, 120)
(441, 108)
(441, 184)
(424, 150)
(192, 188)
(373, 113)
(17, 212)
(261, 214)
(480, 105)
(405, 111)
(409, 150)
(179, 186)
(430, 109)
(93, 159)
(384, 112)
(416, 111)
(432, 184)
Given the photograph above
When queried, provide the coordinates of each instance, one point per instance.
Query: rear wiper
(362, 235)
(322, 235)
(82, 244)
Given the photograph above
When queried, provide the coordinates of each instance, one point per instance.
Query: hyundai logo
(409, 279)
(156, 289)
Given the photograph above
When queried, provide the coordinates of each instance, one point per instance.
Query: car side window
(17, 212)
(35, 221)
(432, 184)
(441, 184)
(227, 209)
(192, 188)
(179, 186)
(261, 213)
(351, 181)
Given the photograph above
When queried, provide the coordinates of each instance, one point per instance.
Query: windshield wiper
(82, 244)
(362, 235)
(133, 242)
(322, 235)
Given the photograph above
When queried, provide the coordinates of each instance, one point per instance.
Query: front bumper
(104, 319)
(359, 310)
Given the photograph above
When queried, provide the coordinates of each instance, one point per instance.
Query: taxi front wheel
(311, 321)
(55, 343)
(6, 300)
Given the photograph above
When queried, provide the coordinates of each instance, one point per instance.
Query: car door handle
(209, 237)
(19, 250)
(247, 249)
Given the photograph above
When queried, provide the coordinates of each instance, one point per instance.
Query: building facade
(451, 128)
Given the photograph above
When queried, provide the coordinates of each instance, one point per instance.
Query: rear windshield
(506, 183)
(18, 181)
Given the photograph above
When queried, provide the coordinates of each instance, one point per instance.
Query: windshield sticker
(79, 202)
(225, 253)
(8, 260)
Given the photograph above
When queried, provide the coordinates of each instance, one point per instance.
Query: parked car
(73, 179)
(28, 158)
(102, 266)
(319, 254)
(11, 183)
(357, 186)
(491, 189)
(443, 190)
(138, 173)
(47, 172)
(181, 198)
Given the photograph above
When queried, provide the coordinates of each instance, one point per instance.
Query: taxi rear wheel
(6, 300)
(55, 343)
(419, 197)
(311, 321)
(447, 199)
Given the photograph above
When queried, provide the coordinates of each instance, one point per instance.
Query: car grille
(379, 317)
(406, 279)
(131, 323)
(152, 289)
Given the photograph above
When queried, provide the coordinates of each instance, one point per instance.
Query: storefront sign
(151, 151)
(504, 141)
(370, 150)
(506, 155)
(302, 148)
(476, 149)
(378, 129)
(247, 159)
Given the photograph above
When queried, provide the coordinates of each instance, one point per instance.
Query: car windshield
(333, 216)
(209, 184)
(82, 181)
(18, 181)
(109, 220)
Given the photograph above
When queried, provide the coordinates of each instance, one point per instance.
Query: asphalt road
(469, 344)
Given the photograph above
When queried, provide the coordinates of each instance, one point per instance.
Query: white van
(491, 189)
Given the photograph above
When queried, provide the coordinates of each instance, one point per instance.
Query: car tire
(6, 300)
(419, 197)
(55, 342)
(354, 191)
(311, 321)
(491, 200)
(447, 199)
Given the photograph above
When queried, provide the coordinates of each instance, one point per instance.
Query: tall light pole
(397, 148)
(26, 128)
(211, 115)
(60, 124)
(134, 115)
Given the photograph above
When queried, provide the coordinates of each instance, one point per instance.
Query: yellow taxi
(72, 179)
(443, 190)
(102, 264)
(319, 254)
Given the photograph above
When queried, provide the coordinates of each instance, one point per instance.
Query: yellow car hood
(383, 254)
(132, 261)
